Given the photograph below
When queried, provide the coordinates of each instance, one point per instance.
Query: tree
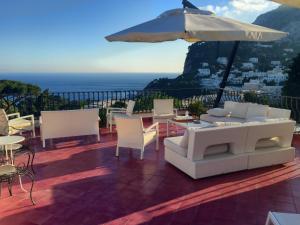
(292, 85)
(13, 92)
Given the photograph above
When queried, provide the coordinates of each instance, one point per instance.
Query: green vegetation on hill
(292, 85)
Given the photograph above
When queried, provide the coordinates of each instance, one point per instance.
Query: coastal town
(247, 76)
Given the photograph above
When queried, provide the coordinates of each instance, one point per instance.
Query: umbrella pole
(226, 73)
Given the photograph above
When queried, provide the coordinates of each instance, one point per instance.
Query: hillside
(283, 18)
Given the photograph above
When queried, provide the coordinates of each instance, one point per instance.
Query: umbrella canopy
(293, 3)
(195, 25)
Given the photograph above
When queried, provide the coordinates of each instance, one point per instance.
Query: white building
(222, 60)
(248, 65)
(288, 50)
(251, 74)
(203, 72)
(253, 85)
(275, 63)
(205, 64)
(253, 60)
(210, 83)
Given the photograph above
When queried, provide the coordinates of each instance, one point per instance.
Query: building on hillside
(222, 60)
(203, 72)
(210, 83)
(252, 85)
(275, 63)
(205, 64)
(253, 60)
(248, 66)
(288, 50)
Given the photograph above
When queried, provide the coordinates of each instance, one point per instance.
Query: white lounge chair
(14, 123)
(111, 112)
(131, 134)
(163, 110)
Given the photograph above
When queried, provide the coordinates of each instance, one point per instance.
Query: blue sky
(68, 35)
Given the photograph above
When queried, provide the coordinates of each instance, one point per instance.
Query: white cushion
(173, 143)
(212, 119)
(218, 112)
(185, 140)
(229, 106)
(216, 149)
(240, 110)
(255, 110)
(279, 113)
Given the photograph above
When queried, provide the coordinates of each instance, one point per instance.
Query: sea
(84, 82)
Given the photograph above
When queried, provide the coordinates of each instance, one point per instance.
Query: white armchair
(14, 123)
(163, 110)
(132, 134)
(111, 112)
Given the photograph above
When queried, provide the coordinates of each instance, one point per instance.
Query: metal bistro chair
(9, 172)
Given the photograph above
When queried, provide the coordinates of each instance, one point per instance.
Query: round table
(9, 141)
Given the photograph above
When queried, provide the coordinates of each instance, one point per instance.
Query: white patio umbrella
(193, 25)
(292, 3)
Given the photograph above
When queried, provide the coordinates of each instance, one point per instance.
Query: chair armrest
(155, 125)
(28, 117)
(13, 115)
(114, 109)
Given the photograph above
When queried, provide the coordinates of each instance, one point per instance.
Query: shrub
(197, 108)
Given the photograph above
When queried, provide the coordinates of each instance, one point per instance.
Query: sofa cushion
(240, 110)
(173, 143)
(267, 143)
(255, 110)
(212, 119)
(279, 113)
(229, 106)
(184, 140)
(216, 149)
(218, 112)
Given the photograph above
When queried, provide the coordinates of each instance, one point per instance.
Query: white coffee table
(276, 218)
(8, 142)
(187, 124)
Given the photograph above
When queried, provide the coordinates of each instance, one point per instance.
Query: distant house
(275, 63)
(210, 83)
(252, 85)
(203, 72)
(205, 64)
(273, 90)
(288, 50)
(253, 60)
(222, 60)
(248, 65)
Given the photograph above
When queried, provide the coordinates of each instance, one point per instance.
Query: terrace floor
(79, 181)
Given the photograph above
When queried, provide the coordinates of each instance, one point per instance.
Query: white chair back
(163, 106)
(130, 107)
(130, 131)
(4, 127)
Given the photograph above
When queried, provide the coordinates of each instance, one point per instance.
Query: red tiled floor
(79, 181)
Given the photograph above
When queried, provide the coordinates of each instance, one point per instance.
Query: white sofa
(219, 150)
(68, 123)
(245, 112)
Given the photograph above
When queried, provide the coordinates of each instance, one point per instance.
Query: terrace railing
(34, 104)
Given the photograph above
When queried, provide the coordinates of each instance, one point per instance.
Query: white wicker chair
(14, 123)
(112, 112)
(131, 134)
(163, 110)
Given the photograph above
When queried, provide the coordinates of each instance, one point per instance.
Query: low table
(187, 124)
(8, 142)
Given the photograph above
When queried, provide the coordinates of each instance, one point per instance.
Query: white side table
(8, 142)
(276, 218)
